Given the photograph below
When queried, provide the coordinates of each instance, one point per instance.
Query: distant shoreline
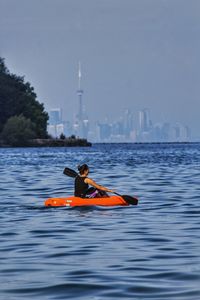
(71, 142)
(143, 143)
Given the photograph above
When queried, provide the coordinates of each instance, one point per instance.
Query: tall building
(56, 126)
(181, 133)
(55, 116)
(144, 121)
(104, 131)
(128, 123)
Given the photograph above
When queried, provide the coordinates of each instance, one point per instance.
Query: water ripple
(146, 252)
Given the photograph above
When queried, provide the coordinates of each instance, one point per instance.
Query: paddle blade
(69, 172)
(130, 200)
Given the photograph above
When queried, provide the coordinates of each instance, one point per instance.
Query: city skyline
(129, 127)
(126, 128)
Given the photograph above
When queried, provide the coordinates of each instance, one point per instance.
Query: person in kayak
(82, 183)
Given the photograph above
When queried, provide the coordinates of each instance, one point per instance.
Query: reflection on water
(146, 252)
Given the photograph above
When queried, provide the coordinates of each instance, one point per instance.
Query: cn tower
(82, 120)
(80, 94)
(80, 110)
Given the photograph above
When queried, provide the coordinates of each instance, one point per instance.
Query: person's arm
(97, 186)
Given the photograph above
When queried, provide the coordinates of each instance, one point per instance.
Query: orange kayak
(76, 201)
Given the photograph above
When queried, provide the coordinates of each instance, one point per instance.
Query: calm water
(151, 251)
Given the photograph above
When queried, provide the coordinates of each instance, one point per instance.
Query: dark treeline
(22, 117)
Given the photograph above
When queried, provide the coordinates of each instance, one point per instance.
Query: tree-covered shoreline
(22, 116)
(23, 119)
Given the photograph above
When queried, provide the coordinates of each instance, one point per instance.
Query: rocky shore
(67, 142)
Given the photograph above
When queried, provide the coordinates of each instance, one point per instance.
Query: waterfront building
(55, 130)
(104, 132)
(55, 116)
(181, 133)
(128, 124)
(55, 127)
(144, 121)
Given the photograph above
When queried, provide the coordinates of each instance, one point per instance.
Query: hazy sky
(134, 53)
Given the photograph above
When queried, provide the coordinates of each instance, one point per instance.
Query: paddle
(69, 172)
(129, 199)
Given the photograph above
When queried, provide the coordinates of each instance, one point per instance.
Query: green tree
(18, 97)
(62, 136)
(18, 131)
